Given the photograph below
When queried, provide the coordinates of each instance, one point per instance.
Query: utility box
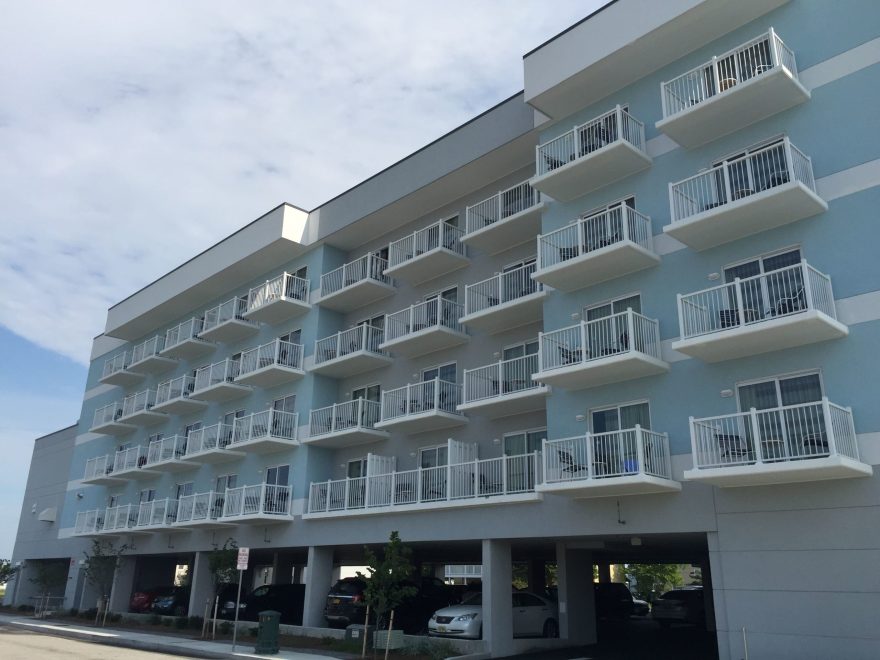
(267, 632)
(356, 631)
(392, 639)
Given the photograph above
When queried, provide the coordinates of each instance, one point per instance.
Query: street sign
(243, 559)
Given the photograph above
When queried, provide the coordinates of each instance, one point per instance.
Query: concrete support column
(75, 579)
(604, 572)
(537, 576)
(497, 601)
(201, 585)
(319, 579)
(577, 606)
(123, 583)
(729, 645)
(282, 569)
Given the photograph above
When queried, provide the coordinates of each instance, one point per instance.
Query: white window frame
(611, 301)
(523, 432)
(434, 448)
(618, 406)
(604, 207)
(453, 363)
(764, 255)
(776, 379)
(366, 387)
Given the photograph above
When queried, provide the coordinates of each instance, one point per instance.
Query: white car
(532, 616)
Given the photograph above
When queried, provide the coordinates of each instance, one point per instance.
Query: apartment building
(628, 314)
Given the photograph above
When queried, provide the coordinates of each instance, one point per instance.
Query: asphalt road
(17, 643)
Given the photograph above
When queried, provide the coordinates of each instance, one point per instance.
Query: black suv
(284, 598)
(345, 604)
(613, 600)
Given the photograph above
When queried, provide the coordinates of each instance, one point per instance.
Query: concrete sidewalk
(170, 644)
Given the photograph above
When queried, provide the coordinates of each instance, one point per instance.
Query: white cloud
(134, 135)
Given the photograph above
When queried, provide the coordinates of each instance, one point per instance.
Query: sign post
(241, 565)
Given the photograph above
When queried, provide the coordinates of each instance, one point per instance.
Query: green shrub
(90, 613)
(181, 622)
(196, 622)
(73, 611)
(167, 621)
(114, 618)
(225, 628)
(253, 631)
(155, 620)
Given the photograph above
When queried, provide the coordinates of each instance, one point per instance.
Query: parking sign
(243, 558)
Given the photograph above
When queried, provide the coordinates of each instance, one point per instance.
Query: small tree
(222, 562)
(100, 568)
(7, 571)
(653, 579)
(387, 583)
(48, 574)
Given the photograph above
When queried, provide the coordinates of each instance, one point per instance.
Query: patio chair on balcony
(566, 253)
(570, 355)
(789, 304)
(554, 163)
(570, 465)
(621, 346)
(734, 448)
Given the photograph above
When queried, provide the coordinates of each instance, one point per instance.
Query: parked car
(175, 602)
(640, 607)
(284, 598)
(613, 600)
(142, 600)
(533, 615)
(682, 605)
(346, 605)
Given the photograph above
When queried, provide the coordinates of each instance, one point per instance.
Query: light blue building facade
(626, 315)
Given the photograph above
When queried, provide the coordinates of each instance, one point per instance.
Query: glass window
(621, 417)
(525, 442)
(445, 372)
(369, 392)
(225, 481)
(778, 392)
(614, 307)
(433, 456)
(357, 468)
(185, 489)
(294, 336)
(147, 495)
(278, 475)
(285, 404)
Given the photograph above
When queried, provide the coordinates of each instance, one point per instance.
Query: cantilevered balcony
(146, 357)
(260, 503)
(116, 371)
(762, 190)
(264, 432)
(165, 455)
(172, 396)
(200, 510)
(345, 424)
(619, 347)
(424, 328)
(631, 461)
(508, 218)
(591, 156)
(350, 352)
(99, 472)
(420, 407)
(156, 515)
(271, 364)
(504, 301)
(138, 409)
(132, 464)
(504, 388)
(89, 523)
(600, 247)
(501, 480)
(183, 342)
(279, 299)
(805, 442)
(210, 445)
(731, 91)
(216, 382)
(357, 283)
(781, 309)
(106, 420)
(427, 253)
(227, 323)
(119, 519)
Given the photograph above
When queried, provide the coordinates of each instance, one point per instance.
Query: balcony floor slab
(782, 472)
(347, 438)
(428, 266)
(144, 418)
(634, 484)
(213, 456)
(180, 406)
(122, 378)
(230, 331)
(431, 420)
(258, 518)
(188, 349)
(351, 364)
(172, 465)
(603, 371)
(224, 391)
(265, 445)
(270, 376)
(514, 403)
(356, 295)
(510, 314)
(518, 498)
(513, 230)
(421, 342)
(113, 428)
(606, 263)
(153, 364)
(278, 310)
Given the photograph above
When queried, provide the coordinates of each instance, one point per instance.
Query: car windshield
(473, 599)
(347, 588)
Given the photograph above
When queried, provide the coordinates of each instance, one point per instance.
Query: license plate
(335, 601)
(441, 628)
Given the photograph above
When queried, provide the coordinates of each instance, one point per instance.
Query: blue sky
(135, 135)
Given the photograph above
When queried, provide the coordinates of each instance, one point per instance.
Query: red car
(142, 600)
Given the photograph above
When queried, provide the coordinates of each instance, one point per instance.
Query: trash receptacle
(267, 632)
(356, 631)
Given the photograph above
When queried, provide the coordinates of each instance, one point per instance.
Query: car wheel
(180, 610)
(551, 628)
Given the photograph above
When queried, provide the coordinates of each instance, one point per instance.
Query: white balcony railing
(106, 414)
(501, 288)
(139, 402)
(176, 388)
(434, 313)
(788, 433)
(97, 467)
(147, 349)
(119, 518)
(233, 309)
(183, 332)
(224, 371)
(621, 453)
(359, 413)
(284, 286)
(115, 364)
(360, 338)
(737, 179)
(501, 206)
(89, 522)
(275, 353)
(724, 72)
(367, 267)
(265, 424)
(260, 499)
(157, 513)
(615, 225)
(216, 436)
(430, 396)
(751, 300)
(597, 339)
(129, 459)
(586, 138)
(478, 479)
(439, 235)
(199, 507)
(166, 449)
(500, 378)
